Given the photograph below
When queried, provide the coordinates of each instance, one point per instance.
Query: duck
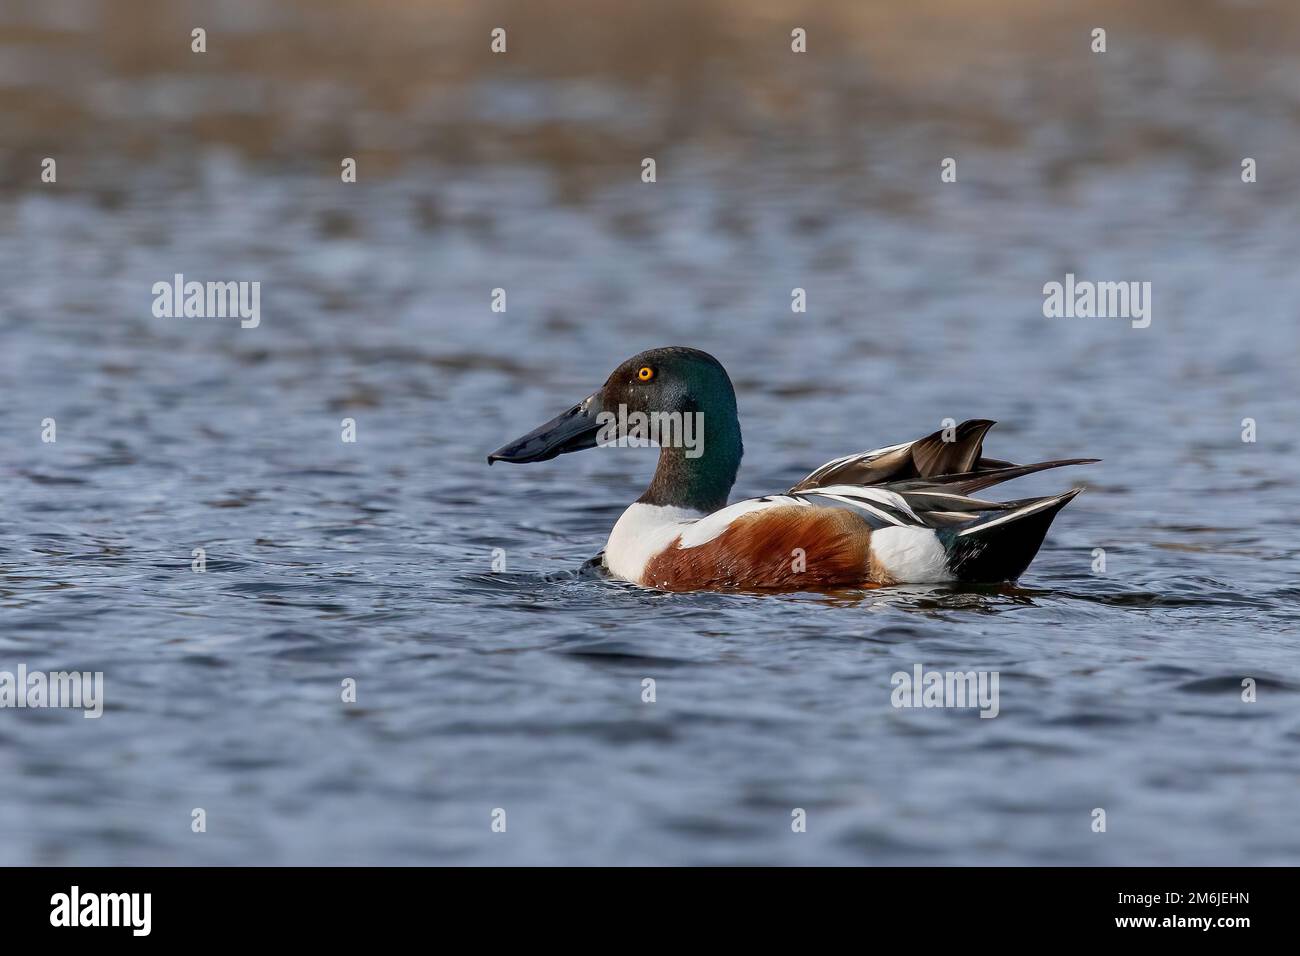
(898, 515)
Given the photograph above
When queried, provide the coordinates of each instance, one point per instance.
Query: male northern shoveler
(895, 515)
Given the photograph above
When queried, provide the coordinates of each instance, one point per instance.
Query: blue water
(521, 688)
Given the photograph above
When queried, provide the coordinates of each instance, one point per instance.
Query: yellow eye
(645, 373)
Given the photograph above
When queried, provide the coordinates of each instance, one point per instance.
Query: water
(521, 689)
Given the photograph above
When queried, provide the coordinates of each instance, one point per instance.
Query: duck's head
(689, 386)
(680, 399)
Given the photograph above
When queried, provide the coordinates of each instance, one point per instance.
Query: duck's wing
(883, 506)
(958, 463)
(876, 506)
(922, 458)
(925, 483)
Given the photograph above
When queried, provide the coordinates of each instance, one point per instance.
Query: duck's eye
(645, 373)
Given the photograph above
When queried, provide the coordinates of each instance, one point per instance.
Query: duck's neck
(700, 483)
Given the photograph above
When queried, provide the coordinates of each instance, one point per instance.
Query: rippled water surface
(522, 689)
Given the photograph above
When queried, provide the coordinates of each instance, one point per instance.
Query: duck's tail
(999, 547)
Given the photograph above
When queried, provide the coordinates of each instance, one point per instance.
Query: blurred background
(521, 171)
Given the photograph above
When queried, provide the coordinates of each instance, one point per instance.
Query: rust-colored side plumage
(790, 548)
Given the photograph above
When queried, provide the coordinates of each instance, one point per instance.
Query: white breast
(642, 532)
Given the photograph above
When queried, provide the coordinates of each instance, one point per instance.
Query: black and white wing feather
(925, 483)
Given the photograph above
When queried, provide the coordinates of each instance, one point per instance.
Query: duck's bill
(573, 430)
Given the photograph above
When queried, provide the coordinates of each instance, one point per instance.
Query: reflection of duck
(890, 516)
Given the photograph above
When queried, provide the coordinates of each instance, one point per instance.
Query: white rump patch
(911, 555)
